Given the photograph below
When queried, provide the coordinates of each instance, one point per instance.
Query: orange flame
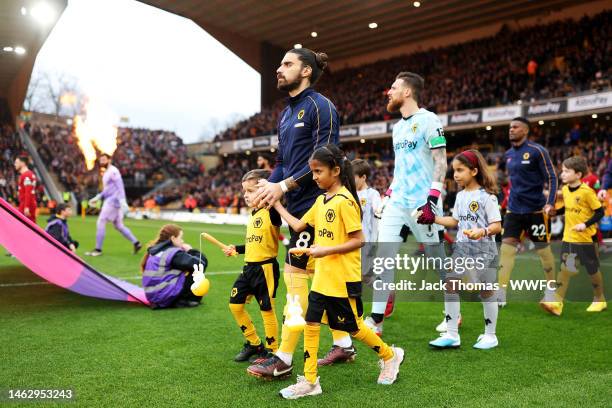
(95, 132)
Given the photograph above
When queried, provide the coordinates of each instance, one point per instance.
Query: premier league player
(308, 122)
(27, 188)
(530, 170)
(114, 207)
(420, 168)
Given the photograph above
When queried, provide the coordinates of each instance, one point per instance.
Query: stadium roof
(342, 25)
(18, 28)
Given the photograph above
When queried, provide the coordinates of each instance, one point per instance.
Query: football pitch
(116, 354)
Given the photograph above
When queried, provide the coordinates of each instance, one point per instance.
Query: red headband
(471, 158)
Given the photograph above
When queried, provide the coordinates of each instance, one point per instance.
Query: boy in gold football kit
(260, 274)
(582, 212)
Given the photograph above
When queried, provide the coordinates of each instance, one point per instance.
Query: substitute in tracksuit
(530, 171)
(309, 121)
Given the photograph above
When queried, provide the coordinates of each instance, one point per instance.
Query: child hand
(579, 227)
(229, 250)
(475, 233)
(317, 251)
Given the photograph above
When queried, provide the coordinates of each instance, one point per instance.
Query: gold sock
(548, 262)
(297, 284)
(506, 263)
(597, 282)
(340, 337)
(311, 348)
(563, 282)
(271, 328)
(369, 338)
(244, 322)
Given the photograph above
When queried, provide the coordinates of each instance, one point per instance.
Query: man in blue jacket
(530, 171)
(606, 182)
(308, 122)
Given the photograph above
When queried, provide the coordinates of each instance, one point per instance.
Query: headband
(471, 157)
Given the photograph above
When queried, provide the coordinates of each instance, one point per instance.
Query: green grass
(118, 354)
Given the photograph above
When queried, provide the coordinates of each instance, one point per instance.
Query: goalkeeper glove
(428, 211)
(95, 199)
(124, 206)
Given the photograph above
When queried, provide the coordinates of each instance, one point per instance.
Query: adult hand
(579, 227)
(124, 207)
(602, 194)
(426, 214)
(267, 194)
(94, 200)
(549, 210)
(26, 212)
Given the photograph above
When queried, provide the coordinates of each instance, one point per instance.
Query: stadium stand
(538, 62)
(144, 157)
(10, 148)
(570, 56)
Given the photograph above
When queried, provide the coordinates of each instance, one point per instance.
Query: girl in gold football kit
(335, 295)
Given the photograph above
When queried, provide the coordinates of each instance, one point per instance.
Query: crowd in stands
(10, 148)
(538, 62)
(218, 187)
(144, 158)
(589, 138)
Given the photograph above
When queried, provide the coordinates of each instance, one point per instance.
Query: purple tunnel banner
(53, 262)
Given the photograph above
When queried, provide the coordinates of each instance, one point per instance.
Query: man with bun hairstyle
(309, 121)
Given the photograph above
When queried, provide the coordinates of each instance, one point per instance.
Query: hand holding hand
(317, 251)
(229, 250)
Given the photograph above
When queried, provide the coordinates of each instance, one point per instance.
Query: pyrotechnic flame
(95, 132)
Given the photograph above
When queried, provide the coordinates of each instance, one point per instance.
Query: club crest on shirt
(300, 114)
(526, 156)
(258, 222)
(415, 127)
(330, 215)
(474, 206)
(363, 202)
(234, 292)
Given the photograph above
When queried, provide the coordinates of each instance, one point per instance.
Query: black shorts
(302, 239)
(535, 225)
(586, 253)
(258, 279)
(340, 313)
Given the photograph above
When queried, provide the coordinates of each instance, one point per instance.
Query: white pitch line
(19, 284)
